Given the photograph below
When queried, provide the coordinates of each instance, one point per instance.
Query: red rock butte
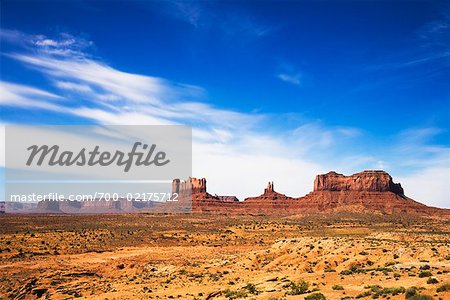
(364, 192)
(369, 181)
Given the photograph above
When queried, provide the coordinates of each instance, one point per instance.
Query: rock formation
(228, 198)
(367, 181)
(190, 186)
(269, 202)
(49, 205)
(364, 192)
(269, 188)
(195, 189)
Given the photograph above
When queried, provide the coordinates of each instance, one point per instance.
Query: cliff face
(367, 181)
(195, 189)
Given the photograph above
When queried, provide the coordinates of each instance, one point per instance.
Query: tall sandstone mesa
(368, 181)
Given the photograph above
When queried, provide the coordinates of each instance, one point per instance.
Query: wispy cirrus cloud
(240, 25)
(208, 15)
(433, 48)
(64, 44)
(287, 72)
(290, 78)
(13, 94)
(191, 12)
(425, 58)
(71, 86)
(436, 34)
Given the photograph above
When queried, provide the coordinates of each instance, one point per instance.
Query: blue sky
(274, 91)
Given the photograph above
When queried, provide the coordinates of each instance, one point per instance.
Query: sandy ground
(221, 257)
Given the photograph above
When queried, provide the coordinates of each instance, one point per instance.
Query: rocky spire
(269, 189)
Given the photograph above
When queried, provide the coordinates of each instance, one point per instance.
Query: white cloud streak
(12, 94)
(294, 79)
(205, 15)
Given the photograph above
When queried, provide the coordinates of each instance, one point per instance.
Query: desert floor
(139, 256)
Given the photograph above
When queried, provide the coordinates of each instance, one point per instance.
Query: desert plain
(209, 256)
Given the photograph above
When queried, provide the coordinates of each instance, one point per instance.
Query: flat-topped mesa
(366, 181)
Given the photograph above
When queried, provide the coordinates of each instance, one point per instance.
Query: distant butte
(367, 181)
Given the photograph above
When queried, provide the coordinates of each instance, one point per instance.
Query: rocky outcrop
(269, 194)
(49, 206)
(364, 192)
(228, 198)
(190, 186)
(270, 202)
(367, 181)
(194, 190)
(269, 189)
